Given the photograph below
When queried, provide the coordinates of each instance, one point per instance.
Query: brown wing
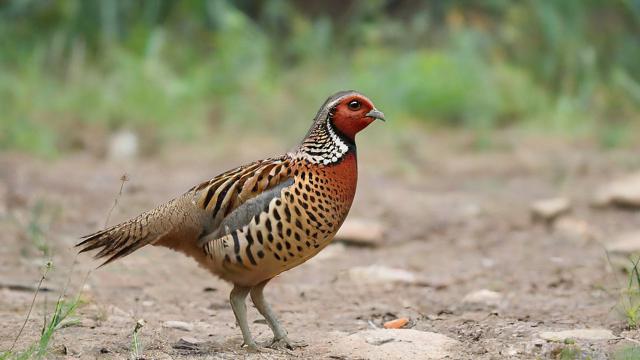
(179, 223)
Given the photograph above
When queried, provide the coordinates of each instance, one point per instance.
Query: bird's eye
(354, 105)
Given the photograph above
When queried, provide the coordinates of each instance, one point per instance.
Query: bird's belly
(294, 228)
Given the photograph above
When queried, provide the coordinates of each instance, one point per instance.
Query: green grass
(62, 316)
(630, 299)
(191, 71)
(627, 353)
(136, 346)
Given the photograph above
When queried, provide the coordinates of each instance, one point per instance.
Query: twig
(124, 178)
(33, 301)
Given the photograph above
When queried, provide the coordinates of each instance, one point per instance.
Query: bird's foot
(285, 343)
(251, 347)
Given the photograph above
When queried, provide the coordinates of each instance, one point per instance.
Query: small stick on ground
(124, 178)
(33, 301)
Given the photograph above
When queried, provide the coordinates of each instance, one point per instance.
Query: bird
(253, 222)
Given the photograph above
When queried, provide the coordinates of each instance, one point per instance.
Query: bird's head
(349, 112)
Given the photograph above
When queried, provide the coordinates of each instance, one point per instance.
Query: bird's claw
(285, 343)
(251, 347)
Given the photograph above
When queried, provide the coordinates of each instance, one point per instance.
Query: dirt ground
(457, 217)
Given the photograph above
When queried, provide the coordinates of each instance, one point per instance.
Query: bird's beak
(376, 114)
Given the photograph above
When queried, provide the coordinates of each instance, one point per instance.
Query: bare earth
(456, 217)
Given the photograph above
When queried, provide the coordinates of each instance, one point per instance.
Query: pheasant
(251, 223)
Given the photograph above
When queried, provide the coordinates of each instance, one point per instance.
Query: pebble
(361, 232)
(123, 145)
(382, 274)
(575, 230)
(550, 209)
(394, 344)
(180, 325)
(624, 192)
(579, 334)
(482, 299)
(188, 343)
(625, 243)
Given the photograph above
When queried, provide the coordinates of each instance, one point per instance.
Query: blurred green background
(74, 71)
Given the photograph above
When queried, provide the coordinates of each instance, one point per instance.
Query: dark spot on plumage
(260, 254)
(307, 232)
(312, 216)
(278, 202)
(287, 214)
(249, 238)
(252, 260)
(259, 236)
(290, 253)
(287, 244)
(307, 243)
(316, 245)
(279, 246)
(236, 242)
(268, 224)
(239, 259)
(276, 214)
(297, 236)
(299, 248)
(299, 224)
(226, 258)
(304, 205)
(270, 237)
(297, 210)
(305, 197)
(307, 188)
(289, 231)
(275, 255)
(296, 191)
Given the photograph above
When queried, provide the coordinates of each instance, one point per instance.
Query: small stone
(482, 299)
(624, 192)
(625, 244)
(396, 323)
(180, 325)
(331, 251)
(361, 232)
(395, 344)
(188, 343)
(580, 334)
(574, 229)
(550, 209)
(382, 274)
(123, 145)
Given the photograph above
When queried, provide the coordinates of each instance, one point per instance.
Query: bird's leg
(279, 334)
(237, 300)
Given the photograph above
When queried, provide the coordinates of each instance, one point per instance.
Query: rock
(624, 192)
(579, 334)
(382, 274)
(188, 343)
(180, 325)
(550, 209)
(394, 344)
(625, 244)
(574, 229)
(361, 232)
(329, 252)
(123, 145)
(482, 299)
